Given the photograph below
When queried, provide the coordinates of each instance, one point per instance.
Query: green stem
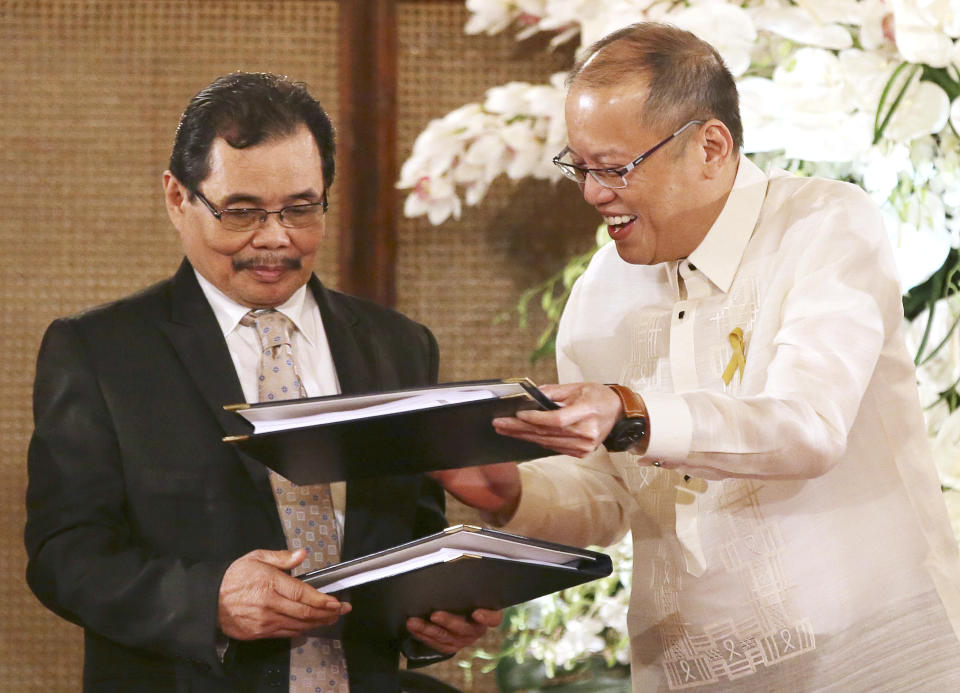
(939, 279)
(925, 296)
(878, 125)
(942, 341)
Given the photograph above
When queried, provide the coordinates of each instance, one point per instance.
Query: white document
(324, 410)
(457, 542)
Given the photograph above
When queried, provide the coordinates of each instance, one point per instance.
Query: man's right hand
(258, 599)
(493, 488)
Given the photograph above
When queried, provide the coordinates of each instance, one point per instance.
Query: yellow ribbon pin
(738, 361)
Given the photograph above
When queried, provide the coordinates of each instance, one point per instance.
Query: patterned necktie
(317, 665)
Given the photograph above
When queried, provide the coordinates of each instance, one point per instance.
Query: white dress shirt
(809, 549)
(310, 347)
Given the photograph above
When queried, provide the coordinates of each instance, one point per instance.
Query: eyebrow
(308, 195)
(599, 157)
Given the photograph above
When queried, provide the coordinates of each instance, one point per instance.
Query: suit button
(274, 677)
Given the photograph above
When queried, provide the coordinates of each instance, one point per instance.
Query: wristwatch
(633, 430)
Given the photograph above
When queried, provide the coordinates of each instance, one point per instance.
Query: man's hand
(449, 633)
(587, 413)
(492, 488)
(258, 599)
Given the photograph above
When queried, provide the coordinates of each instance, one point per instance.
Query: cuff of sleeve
(534, 497)
(671, 426)
(419, 654)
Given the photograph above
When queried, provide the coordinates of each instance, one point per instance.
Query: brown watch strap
(633, 406)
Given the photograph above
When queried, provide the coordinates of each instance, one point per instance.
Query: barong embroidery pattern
(770, 632)
(729, 650)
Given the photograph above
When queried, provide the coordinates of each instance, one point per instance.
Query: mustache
(268, 260)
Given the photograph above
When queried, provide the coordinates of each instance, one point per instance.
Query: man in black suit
(143, 527)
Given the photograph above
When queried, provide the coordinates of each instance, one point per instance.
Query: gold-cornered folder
(445, 434)
(491, 569)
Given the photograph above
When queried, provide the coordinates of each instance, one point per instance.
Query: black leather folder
(440, 436)
(460, 569)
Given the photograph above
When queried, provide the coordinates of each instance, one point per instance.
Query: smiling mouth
(617, 225)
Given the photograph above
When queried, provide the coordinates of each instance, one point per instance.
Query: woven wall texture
(90, 93)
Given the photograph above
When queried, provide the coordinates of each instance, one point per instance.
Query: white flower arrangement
(861, 90)
(574, 630)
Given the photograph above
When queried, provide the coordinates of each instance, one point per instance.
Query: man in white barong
(737, 393)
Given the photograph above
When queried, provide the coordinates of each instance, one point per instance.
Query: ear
(718, 149)
(176, 198)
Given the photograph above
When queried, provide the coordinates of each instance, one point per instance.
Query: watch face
(626, 434)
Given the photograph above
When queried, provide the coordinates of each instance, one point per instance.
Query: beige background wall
(90, 93)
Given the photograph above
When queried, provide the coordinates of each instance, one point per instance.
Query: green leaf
(940, 284)
(941, 77)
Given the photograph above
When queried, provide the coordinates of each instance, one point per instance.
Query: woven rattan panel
(90, 93)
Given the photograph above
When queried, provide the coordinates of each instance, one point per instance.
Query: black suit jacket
(135, 508)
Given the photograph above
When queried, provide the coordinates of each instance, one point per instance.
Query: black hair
(246, 108)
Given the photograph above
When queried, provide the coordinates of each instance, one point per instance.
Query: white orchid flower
(946, 451)
(799, 26)
(580, 635)
(881, 168)
(760, 112)
(919, 237)
(476, 191)
(924, 45)
(938, 14)
(726, 27)
(865, 74)
(434, 197)
(955, 114)
(813, 81)
(953, 508)
(508, 99)
(854, 12)
(925, 29)
(817, 115)
(827, 137)
(526, 150)
(559, 13)
(613, 16)
(487, 153)
(442, 142)
(937, 370)
(934, 414)
(876, 26)
(924, 110)
(490, 16)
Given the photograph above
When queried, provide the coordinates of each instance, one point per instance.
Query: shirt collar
(719, 254)
(228, 312)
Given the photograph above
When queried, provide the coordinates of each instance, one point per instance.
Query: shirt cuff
(222, 643)
(671, 426)
(534, 499)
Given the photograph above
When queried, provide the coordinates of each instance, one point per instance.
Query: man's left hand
(449, 633)
(586, 415)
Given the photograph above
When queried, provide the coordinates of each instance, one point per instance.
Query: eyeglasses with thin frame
(248, 219)
(611, 177)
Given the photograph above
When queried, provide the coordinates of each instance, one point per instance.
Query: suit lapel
(354, 358)
(195, 334)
